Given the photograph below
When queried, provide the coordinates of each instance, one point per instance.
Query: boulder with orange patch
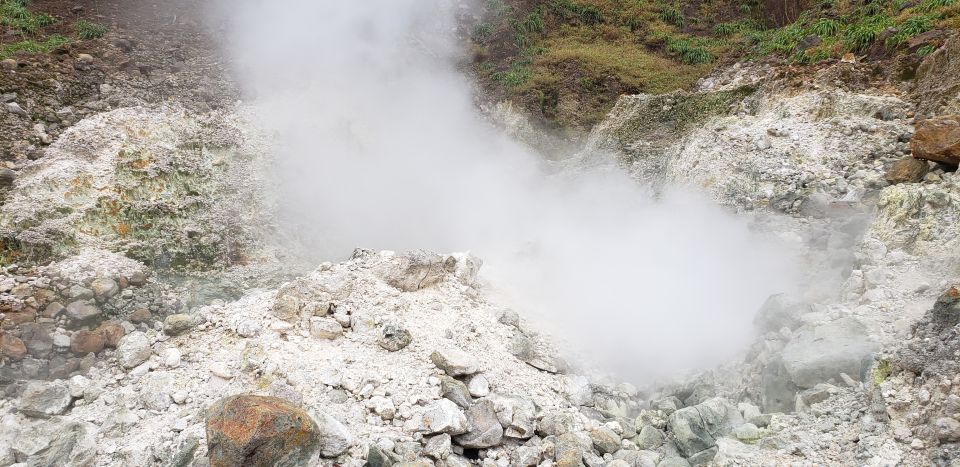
(260, 431)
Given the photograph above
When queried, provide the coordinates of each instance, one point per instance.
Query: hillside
(567, 61)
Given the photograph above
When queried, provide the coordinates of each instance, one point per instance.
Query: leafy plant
(910, 28)
(933, 5)
(859, 36)
(725, 29)
(825, 27)
(568, 9)
(689, 52)
(87, 30)
(671, 15)
(482, 32)
(497, 8)
(518, 74)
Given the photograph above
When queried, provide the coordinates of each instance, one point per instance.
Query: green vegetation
(15, 14)
(31, 46)
(87, 30)
(30, 26)
(569, 60)
(854, 29)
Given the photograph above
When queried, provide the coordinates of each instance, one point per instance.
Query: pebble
(478, 386)
(221, 370)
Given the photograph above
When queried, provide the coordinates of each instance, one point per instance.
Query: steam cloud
(382, 147)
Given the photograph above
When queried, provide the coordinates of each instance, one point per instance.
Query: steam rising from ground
(382, 147)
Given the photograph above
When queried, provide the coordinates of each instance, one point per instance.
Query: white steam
(382, 147)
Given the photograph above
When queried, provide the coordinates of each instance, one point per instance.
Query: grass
(87, 30)
(636, 67)
(32, 46)
(15, 14)
(690, 51)
(672, 15)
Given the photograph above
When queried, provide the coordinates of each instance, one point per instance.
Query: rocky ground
(151, 317)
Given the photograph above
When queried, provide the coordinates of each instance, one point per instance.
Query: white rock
(455, 362)
(171, 357)
(479, 387)
(443, 416)
(134, 349)
(78, 384)
(325, 328)
(335, 438)
(221, 370)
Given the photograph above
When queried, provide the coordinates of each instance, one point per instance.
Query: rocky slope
(154, 318)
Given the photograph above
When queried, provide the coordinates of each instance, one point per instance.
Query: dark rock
(138, 279)
(140, 315)
(61, 367)
(377, 457)
(7, 177)
(393, 337)
(907, 170)
(946, 310)
(260, 431)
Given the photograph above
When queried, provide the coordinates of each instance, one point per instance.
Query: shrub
(87, 30)
(860, 35)
(825, 27)
(689, 52)
(671, 15)
(910, 28)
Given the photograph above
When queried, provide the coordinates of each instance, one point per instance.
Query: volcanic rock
(260, 431)
(937, 139)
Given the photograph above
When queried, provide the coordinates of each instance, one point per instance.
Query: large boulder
(415, 270)
(937, 139)
(455, 362)
(44, 399)
(260, 431)
(818, 354)
(946, 311)
(695, 429)
(779, 311)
